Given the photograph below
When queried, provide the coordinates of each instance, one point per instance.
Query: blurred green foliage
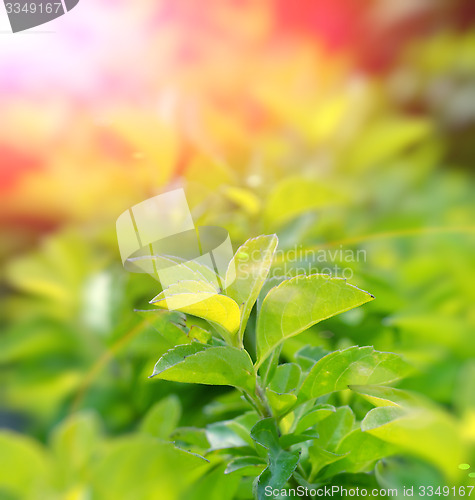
(381, 165)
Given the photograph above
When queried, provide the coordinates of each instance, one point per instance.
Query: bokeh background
(342, 124)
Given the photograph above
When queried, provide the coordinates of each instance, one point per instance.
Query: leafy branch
(294, 432)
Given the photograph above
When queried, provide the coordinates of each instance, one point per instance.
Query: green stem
(266, 409)
(258, 401)
(251, 401)
(301, 470)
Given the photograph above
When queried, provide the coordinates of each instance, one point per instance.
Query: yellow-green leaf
(198, 299)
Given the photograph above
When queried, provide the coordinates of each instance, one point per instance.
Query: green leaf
(313, 416)
(266, 433)
(247, 273)
(381, 416)
(56, 272)
(74, 443)
(269, 366)
(162, 418)
(24, 466)
(246, 465)
(229, 403)
(137, 466)
(243, 424)
(432, 435)
(363, 450)
(199, 364)
(168, 324)
(281, 466)
(297, 195)
(280, 392)
(280, 403)
(199, 334)
(193, 297)
(286, 378)
(352, 366)
(299, 303)
(269, 283)
(319, 458)
(385, 139)
(389, 396)
(190, 437)
(220, 435)
(215, 485)
(288, 440)
(359, 451)
(281, 463)
(232, 433)
(333, 429)
(394, 472)
(307, 356)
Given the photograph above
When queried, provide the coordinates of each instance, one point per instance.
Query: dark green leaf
(281, 463)
(288, 440)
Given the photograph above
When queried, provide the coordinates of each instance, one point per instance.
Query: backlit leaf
(299, 303)
(247, 273)
(430, 434)
(352, 366)
(199, 300)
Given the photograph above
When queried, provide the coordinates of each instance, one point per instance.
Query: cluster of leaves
(290, 433)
